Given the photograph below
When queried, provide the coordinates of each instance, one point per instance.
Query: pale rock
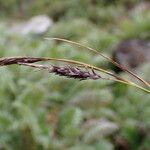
(37, 25)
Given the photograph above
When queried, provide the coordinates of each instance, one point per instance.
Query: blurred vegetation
(43, 111)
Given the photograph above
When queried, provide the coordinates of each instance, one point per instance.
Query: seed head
(74, 72)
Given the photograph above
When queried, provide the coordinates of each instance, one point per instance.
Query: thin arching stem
(18, 60)
(43, 67)
(106, 57)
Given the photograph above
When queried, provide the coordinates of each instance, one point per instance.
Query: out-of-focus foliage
(43, 111)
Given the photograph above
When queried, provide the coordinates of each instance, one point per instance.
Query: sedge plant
(76, 69)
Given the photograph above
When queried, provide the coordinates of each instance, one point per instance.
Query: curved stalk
(106, 57)
(25, 60)
(111, 79)
(118, 79)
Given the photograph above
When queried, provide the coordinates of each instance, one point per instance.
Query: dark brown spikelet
(15, 60)
(74, 72)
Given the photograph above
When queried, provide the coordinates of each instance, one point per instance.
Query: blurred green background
(40, 111)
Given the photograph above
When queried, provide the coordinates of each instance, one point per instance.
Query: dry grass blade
(106, 57)
(26, 60)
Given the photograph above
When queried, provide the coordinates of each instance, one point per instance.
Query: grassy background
(43, 111)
